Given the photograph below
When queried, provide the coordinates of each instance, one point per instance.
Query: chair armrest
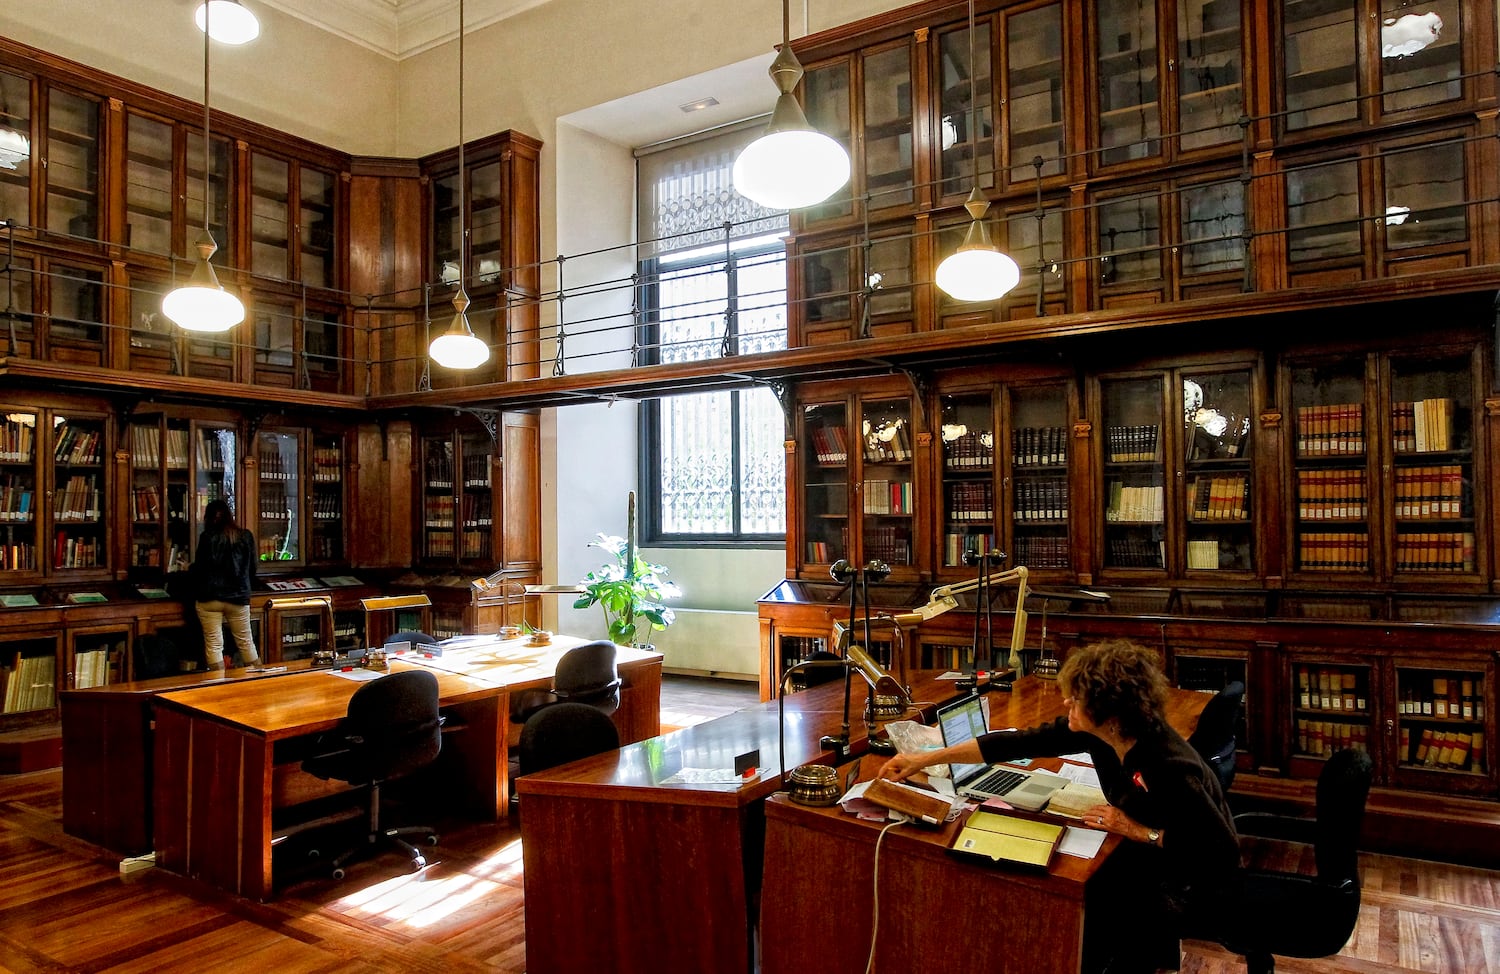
(1268, 825)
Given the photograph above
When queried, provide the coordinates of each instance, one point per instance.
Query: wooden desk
(683, 894)
(217, 781)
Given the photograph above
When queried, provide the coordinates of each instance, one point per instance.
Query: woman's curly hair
(1117, 680)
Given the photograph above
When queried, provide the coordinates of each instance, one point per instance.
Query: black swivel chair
(1213, 738)
(565, 732)
(585, 674)
(413, 636)
(1291, 914)
(817, 676)
(392, 728)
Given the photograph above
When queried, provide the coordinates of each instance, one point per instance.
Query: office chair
(1296, 915)
(565, 732)
(815, 677)
(392, 728)
(1213, 738)
(413, 636)
(585, 674)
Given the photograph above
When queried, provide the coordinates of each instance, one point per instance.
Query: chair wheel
(418, 864)
(432, 839)
(314, 854)
(338, 872)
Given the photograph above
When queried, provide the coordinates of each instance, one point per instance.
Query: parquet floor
(64, 907)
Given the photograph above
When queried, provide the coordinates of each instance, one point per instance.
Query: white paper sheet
(1080, 774)
(1081, 843)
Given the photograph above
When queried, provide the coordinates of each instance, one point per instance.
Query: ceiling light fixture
(459, 347)
(202, 304)
(793, 164)
(233, 23)
(977, 271)
(15, 146)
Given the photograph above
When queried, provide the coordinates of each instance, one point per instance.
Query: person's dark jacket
(1162, 784)
(223, 569)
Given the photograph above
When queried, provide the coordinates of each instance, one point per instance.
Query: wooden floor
(64, 906)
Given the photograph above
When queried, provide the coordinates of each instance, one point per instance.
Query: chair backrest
(413, 636)
(396, 716)
(1213, 738)
(587, 674)
(1343, 787)
(817, 676)
(564, 732)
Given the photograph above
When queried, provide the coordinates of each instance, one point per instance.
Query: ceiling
(398, 28)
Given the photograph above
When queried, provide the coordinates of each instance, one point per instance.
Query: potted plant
(630, 590)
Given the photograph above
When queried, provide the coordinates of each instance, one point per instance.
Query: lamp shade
(977, 275)
(792, 165)
(15, 148)
(202, 304)
(458, 350)
(229, 21)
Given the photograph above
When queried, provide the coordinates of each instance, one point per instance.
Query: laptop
(963, 720)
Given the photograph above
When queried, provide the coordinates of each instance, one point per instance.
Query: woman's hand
(903, 766)
(1111, 819)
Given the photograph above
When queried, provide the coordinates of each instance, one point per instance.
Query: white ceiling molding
(399, 28)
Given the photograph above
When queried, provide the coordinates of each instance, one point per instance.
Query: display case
(20, 494)
(887, 486)
(1039, 513)
(458, 522)
(1332, 707)
(1441, 720)
(1218, 502)
(28, 662)
(72, 164)
(1330, 468)
(298, 627)
(824, 469)
(1133, 498)
(79, 486)
(280, 516)
(97, 656)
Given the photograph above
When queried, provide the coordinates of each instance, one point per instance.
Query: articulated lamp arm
(943, 599)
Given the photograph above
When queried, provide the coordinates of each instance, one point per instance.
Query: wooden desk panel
(694, 911)
(937, 913)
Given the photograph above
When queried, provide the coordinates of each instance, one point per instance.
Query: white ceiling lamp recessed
(793, 165)
(977, 271)
(202, 304)
(699, 105)
(233, 23)
(459, 347)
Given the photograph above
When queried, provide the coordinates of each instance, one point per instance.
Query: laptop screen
(962, 720)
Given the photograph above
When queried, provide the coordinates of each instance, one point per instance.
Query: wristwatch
(1153, 836)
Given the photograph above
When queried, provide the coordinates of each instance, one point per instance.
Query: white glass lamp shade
(977, 275)
(15, 148)
(459, 347)
(790, 169)
(202, 304)
(229, 22)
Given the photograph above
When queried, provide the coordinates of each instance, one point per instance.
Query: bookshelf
(1133, 496)
(79, 541)
(458, 498)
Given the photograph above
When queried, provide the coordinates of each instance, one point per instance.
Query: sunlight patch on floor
(416, 901)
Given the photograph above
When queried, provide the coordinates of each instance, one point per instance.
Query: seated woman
(1181, 857)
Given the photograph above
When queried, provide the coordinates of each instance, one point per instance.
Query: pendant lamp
(459, 347)
(202, 304)
(793, 165)
(977, 271)
(233, 23)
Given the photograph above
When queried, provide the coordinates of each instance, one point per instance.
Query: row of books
(79, 500)
(1343, 551)
(1129, 444)
(1451, 750)
(328, 464)
(1136, 553)
(211, 449)
(91, 667)
(1040, 500)
(888, 443)
(1218, 498)
(1040, 551)
(476, 470)
(971, 501)
(17, 557)
(471, 544)
(77, 551)
(1435, 551)
(78, 445)
(1336, 429)
(887, 497)
(889, 543)
(1320, 738)
(825, 553)
(15, 498)
(1203, 554)
(17, 437)
(1330, 688)
(828, 444)
(1424, 426)
(326, 507)
(1038, 446)
(969, 450)
(145, 453)
(955, 543)
(275, 465)
(1331, 495)
(1430, 492)
(1133, 504)
(440, 511)
(1449, 697)
(145, 504)
(30, 683)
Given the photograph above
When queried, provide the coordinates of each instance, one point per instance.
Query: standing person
(1180, 861)
(223, 569)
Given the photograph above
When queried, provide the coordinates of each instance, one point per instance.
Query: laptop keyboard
(998, 781)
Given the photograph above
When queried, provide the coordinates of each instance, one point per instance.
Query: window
(713, 278)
